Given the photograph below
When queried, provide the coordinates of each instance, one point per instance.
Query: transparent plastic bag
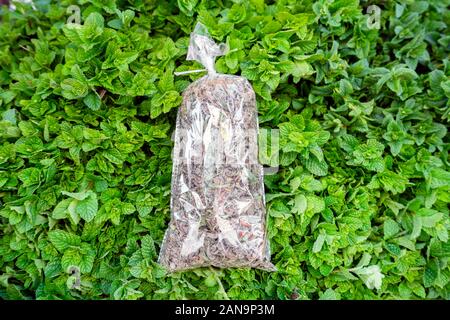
(218, 215)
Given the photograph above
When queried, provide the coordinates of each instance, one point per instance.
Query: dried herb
(218, 212)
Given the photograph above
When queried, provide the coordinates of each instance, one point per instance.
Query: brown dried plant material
(218, 214)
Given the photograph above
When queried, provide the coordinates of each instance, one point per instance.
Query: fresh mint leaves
(358, 208)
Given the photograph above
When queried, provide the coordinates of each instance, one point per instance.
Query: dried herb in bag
(218, 214)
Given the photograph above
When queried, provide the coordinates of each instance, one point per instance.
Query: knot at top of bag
(203, 49)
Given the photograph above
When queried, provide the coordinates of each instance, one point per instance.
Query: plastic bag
(217, 205)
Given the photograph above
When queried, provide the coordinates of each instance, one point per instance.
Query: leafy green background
(358, 208)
